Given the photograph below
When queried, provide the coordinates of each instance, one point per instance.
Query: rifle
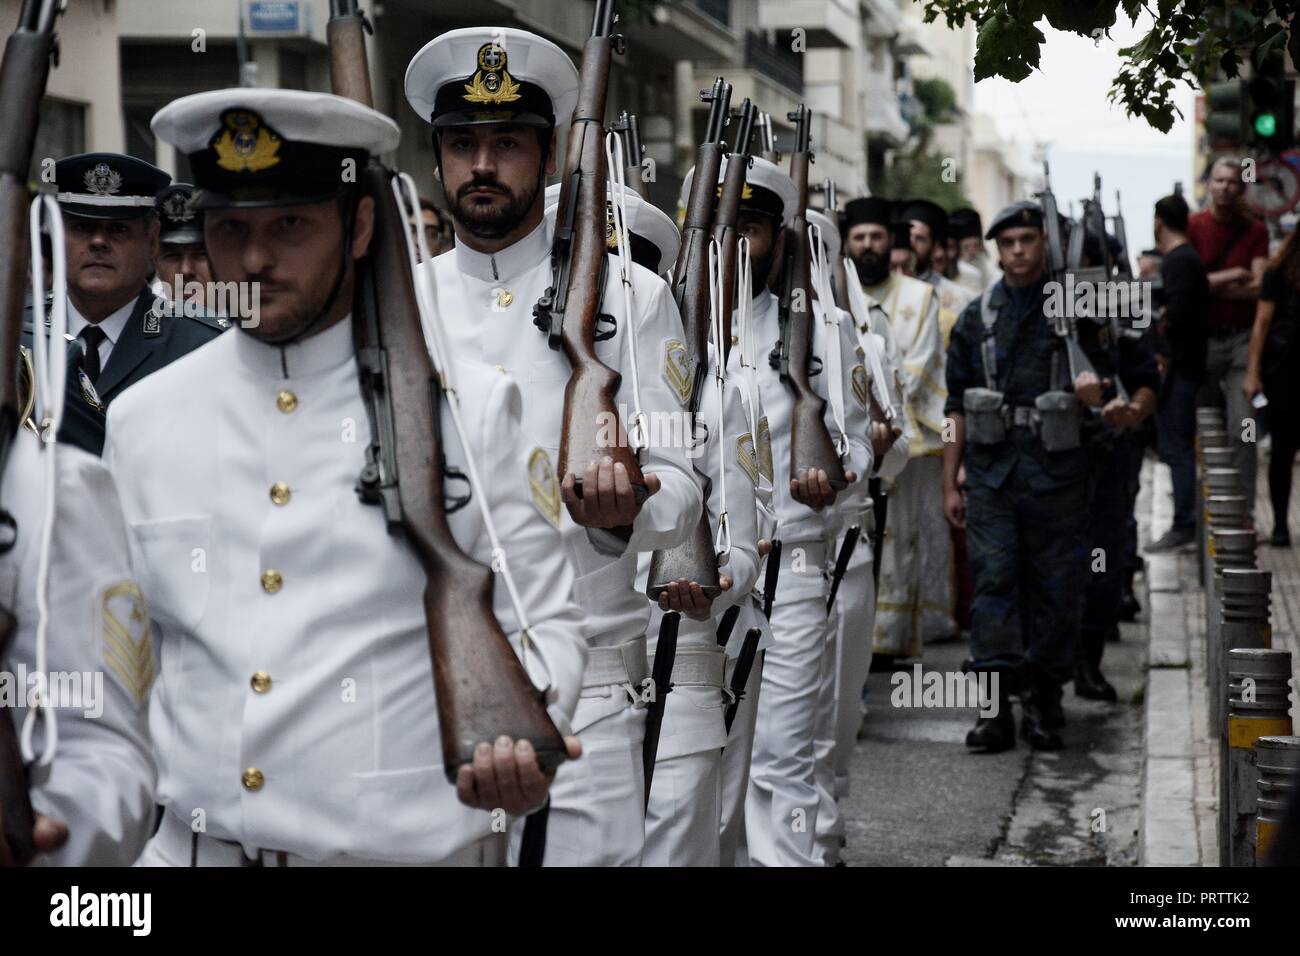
(633, 153)
(694, 559)
(1062, 267)
(879, 514)
(569, 311)
(740, 675)
(26, 66)
(727, 218)
(1123, 264)
(482, 688)
(767, 139)
(811, 447)
(662, 681)
(1095, 219)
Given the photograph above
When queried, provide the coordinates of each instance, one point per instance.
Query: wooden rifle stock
(811, 446)
(694, 559)
(482, 688)
(727, 219)
(23, 73)
(570, 309)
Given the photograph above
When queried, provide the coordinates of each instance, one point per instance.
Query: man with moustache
(295, 712)
(908, 605)
(111, 239)
(494, 152)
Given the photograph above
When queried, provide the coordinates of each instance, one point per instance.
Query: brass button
(253, 779)
(504, 298)
(286, 401)
(272, 581)
(499, 367)
(280, 493)
(261, 682)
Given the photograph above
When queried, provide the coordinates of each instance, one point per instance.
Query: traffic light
(1227, 116)
(1272, 112)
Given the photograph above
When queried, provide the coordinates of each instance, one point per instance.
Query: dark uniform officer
(1026, 485)
(119, 337)
(182, 258)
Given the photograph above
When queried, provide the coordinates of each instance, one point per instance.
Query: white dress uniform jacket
(295, 710)
(597, 803)
(101, 780)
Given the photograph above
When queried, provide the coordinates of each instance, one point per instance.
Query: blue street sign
(275, 16)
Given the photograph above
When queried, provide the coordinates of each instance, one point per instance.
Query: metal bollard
(1257, 696)
(1231, 549)
(1278, 761)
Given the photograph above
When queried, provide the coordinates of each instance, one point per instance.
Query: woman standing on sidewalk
(1274, 369)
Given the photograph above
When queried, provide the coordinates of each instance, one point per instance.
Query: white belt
(180, 843)
(620, 664)
(698, 667)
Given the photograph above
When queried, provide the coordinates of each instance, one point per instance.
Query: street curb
(1168, 834)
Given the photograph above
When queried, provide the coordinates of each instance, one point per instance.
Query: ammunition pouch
(986, 422)
(1059, 416)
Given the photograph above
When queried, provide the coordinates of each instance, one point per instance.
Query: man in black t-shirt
(1181, 348)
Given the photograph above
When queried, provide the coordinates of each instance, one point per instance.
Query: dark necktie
(92, 335)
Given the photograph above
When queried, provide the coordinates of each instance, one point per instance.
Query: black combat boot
(997, 733)
(1042, 717)
(1091, 684)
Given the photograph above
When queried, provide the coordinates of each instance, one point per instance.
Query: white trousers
(733, 847)
(597, 815)
(916, 586)
(681, 823)
(839, 711)
(781, 804)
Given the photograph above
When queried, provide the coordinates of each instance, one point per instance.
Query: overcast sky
(1064, 106)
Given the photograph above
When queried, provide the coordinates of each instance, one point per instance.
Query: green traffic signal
(1266, 125)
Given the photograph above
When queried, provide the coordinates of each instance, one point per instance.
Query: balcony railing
(774, 61)
(719, 10)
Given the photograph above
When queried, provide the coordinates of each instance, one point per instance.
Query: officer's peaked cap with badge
(266, 147)
(492, 75)
(653, 236)
(768, 190)
(179, 222)
(868, 210)
(107, 185)
(930, 213)
(1024, 213)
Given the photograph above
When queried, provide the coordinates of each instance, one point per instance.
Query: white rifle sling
(408, 203)
(834, 364)
(750, 394)
(638, 434)
(49, 383)
(872, 343)
(722, 540)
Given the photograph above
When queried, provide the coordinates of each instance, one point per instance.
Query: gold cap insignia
(764, 439)
(491, 84)
(745, 193)
(543, 486)
(245, 144)
(860, 384)
(677, 369)
(103, 180)
(747, 456)
(128, 649)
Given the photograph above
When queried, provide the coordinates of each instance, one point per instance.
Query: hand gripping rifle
(811, 446)
(26, 66)
(1065, 269)
(482, 688)
(694, 559)
(569, 311)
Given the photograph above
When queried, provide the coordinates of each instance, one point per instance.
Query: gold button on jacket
(261, 682)
(286, 401)
(280, 493)
(272, 581)
(253, 779)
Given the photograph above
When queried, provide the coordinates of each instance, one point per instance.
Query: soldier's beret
(1024, 213)
(107, 185)
(492, 75)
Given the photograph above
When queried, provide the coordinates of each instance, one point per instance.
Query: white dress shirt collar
(310, 356)
(508, 262)
(111, 326)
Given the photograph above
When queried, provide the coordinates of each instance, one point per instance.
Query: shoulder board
(211, 321)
